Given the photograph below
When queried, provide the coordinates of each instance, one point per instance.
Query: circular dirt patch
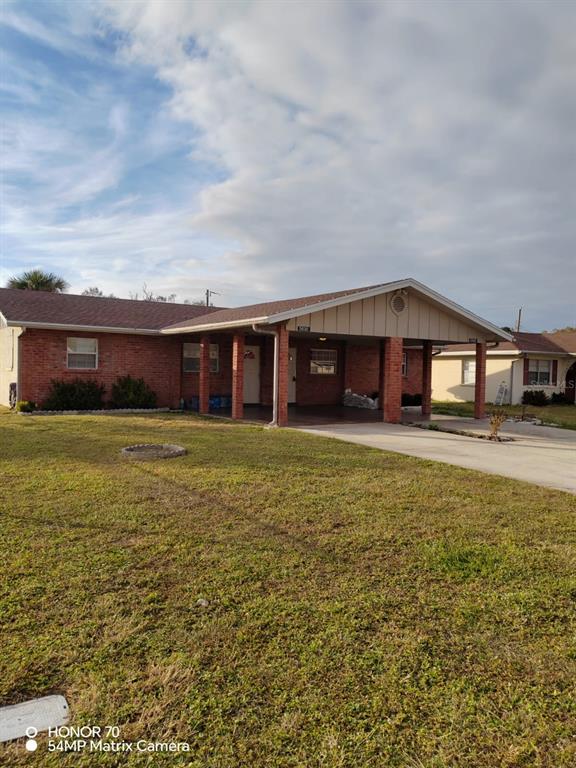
(153, 451)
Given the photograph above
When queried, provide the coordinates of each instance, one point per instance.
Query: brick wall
(221, 382)
(313, 388)
(155, 359)
(362, 365)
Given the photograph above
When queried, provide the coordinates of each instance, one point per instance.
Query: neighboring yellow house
(545, 361)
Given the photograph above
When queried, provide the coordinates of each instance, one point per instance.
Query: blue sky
(273, 149)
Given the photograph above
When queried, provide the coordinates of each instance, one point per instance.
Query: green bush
(132, 393)
(75, 395)
(559, 398)
(535, 397)
(25, 406)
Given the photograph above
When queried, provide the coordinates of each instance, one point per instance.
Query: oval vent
(398, 303)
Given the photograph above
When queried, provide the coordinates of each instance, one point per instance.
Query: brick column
(392, 385)
(480, 383)
(204, 380)
(381, 357)
(283, 343)
(427, 379)
(238, 376)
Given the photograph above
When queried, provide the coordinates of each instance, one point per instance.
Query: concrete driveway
(541, 455)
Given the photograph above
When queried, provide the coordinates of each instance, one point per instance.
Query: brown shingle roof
(564, 339)
(270, 308)
(21, 306)
(560, 343)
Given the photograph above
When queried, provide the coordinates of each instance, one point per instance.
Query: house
(531, 361)
(305, 351)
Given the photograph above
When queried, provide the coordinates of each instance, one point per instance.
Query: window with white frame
(323, 361)
(82, 354)
(191, 358)
(404, 364)
(539, 371)
(468, 371)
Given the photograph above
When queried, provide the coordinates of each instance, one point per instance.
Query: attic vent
(398, 303)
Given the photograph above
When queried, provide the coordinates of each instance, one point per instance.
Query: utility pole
(208, 294)
(519, 320)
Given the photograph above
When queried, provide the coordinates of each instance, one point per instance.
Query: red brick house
(305, 351)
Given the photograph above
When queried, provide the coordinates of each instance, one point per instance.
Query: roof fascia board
(215, 326)
(70, 327)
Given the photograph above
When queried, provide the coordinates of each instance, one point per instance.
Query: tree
(148, 295)
(37, 280)
(95, 291)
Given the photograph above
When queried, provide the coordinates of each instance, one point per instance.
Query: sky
(275, 149)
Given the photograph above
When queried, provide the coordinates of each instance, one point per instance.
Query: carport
(307, 351)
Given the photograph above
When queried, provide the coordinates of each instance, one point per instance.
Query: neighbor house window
(468, 371)
(323, 361)
(82, 353)
(539, 371)
(404, 364)
(191, 358)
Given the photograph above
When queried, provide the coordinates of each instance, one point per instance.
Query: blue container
(215, 403)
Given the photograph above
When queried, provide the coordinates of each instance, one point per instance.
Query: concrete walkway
(541, 455)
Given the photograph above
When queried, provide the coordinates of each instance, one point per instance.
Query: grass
(558, 415)
(365, 609)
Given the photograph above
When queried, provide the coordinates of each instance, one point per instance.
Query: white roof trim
(215, 326)
(71, 327)
(348, 299)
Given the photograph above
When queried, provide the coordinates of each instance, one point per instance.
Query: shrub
(535, 397)
(559, 398)
(25, 406)
(75, 395)
(497, 419)
(132, 393)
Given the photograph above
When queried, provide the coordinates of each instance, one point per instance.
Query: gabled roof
(264, 311)
(278, 311)
(41, 309)
(560, 342)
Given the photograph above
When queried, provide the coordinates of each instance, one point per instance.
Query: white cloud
(358, 142)
(364, 141)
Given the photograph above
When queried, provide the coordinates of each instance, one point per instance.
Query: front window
(468, 371)
(404, 364)
(539, 371)
(82, 354)
(191, 358)
(323, 361)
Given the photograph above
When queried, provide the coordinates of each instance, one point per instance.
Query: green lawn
(365, 609)
(559, 415)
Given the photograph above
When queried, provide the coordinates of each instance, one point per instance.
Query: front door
(251, 375)
(292, 375)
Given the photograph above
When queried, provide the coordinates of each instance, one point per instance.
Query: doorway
(292, 375)
(251, 375)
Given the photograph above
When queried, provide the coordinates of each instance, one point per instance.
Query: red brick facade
(238, 376)
(363, 369)
(283, 365)
(426, 378)
(392, 389)
(480, 384)
(158, 360)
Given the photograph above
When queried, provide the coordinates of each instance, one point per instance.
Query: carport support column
(427, 379)
(480, 382)
(204, 379)
(238, 376)
(392, 383)
(283, 363)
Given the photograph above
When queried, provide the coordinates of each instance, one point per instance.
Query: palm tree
(37, 280)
